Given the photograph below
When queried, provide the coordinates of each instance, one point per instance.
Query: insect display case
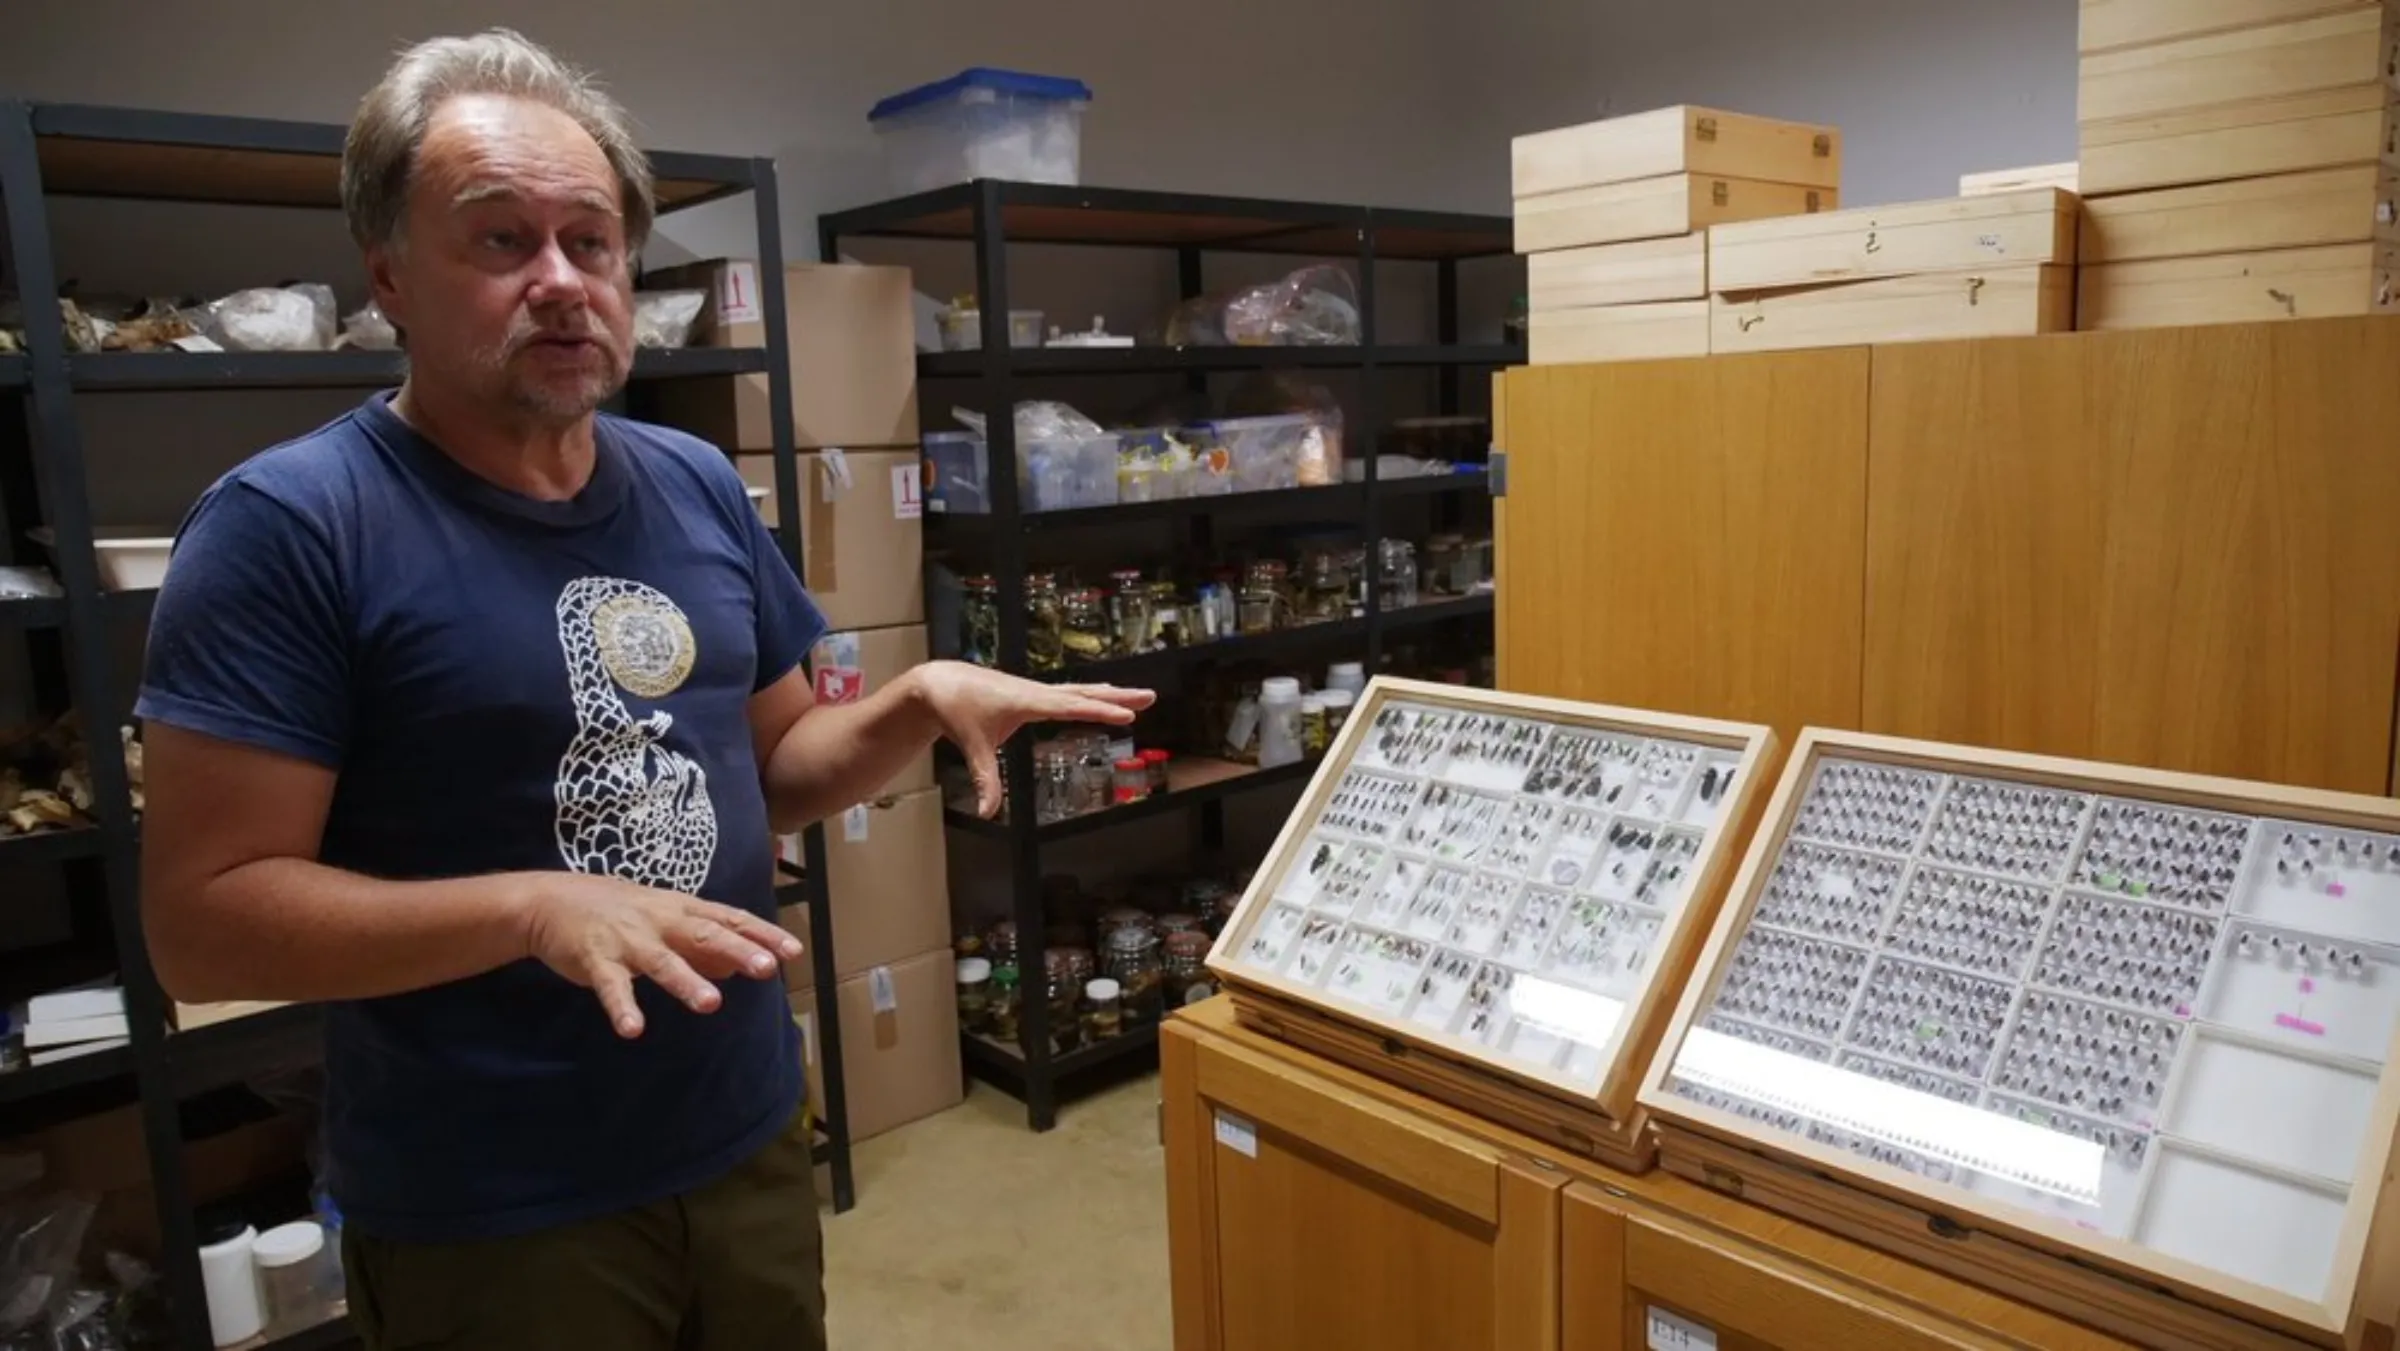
(2112, 1040)
(1492, 899)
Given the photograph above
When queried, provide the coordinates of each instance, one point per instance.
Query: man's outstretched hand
(978, 709)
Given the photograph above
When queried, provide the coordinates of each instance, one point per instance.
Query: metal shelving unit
(141, 155)
(990, 216)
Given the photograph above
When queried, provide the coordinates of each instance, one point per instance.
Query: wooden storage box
(2108, 25)
(1638, 273)
(1999, 302)
(2114, 1040)
(2281, 60)
(2343, 279)
(1492, 898)
(1676, 140)
(2035, 226)
(2066, 177)
(1673, 328)
(2355, 124)
(1655, 208)
(2350, 205)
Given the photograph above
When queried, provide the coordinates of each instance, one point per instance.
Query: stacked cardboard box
(1991, 265)
(1614, 216)
(2239, 160)
(853, 375)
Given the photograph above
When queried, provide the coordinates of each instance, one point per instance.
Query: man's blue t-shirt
(502, 684)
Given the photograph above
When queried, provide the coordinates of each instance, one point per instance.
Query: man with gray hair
(472, 714)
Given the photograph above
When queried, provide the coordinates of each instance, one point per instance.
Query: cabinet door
(2166, 548)
(1638, 1278)
(1688, 535)
(1304, 1216)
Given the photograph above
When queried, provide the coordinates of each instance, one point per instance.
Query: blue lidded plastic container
(983, 123)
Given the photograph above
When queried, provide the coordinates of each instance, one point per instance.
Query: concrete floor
(969, 1227)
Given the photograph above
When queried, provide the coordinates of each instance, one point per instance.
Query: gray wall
(1923, 90)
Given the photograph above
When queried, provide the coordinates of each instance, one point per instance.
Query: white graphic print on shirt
(627, 805)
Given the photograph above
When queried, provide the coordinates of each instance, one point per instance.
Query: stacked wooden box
(1613, 217)
(1985, 266)
(2240, 160)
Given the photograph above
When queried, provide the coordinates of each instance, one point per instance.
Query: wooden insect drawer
(2115, 1041)
(1492, 899)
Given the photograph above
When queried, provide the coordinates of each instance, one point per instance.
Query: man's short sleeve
(249, 640)
(789, 623)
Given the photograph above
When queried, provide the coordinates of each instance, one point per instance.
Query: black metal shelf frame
(66, 150)
(991, 215)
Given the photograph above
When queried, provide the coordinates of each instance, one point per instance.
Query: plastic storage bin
(983, 123)
(1297, 450)
(1052, 475)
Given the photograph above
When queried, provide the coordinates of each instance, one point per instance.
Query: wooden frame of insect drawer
(1951, 234)
(2114, 1041)
(2278, 60)
(1491, 899)
(1675, 140)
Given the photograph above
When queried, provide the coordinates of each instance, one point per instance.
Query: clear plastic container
(1052, 475)
(983, 123)
(294, 1279)
(1295, 450)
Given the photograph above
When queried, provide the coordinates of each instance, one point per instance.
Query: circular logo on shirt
(645, 642)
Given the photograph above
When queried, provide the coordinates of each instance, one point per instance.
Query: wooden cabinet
(1310, 1206)
(2166, 548)
(1689, 536)
(1305, 1215)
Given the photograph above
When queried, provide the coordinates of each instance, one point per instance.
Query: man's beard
(562, 397)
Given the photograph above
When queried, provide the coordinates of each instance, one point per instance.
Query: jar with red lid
(1156, 760)
(1131, 780)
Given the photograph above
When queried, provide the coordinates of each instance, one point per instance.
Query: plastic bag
(1313, 307)
(272, 319)
(368, 331)
(1198, 322)
(664, 318)
(26, 583)
(1036, 421)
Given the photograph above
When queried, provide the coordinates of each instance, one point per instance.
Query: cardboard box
(1675, 140)
(900, 1060)
(191, 1017)
(1997, 303)
(2107, 25)
(1674, 328)
(2289, 211)
(2036, 226)
(851, 664)
(1655, 208)
(805, 1014)
(2356, 124)
(2306, 56)
(1639, 273)
(2228, 288)
(888, 879)
(2065, 177)
(853, 356)
(862, 534)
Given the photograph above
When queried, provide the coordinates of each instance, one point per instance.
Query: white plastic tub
(983, 123)
(128, 559)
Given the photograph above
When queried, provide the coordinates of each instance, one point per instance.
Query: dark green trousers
(738, 1265)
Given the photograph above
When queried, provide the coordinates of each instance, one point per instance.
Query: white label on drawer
(1670, 1333)
(908, 493)
(1237, 1135)
(854, 825)
(737, 294)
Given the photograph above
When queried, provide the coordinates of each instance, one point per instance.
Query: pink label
(2336, 889)
(2183, 1010)
(2308, 985)
(2301, 1025)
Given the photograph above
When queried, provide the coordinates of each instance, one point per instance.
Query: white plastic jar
(1279, 722)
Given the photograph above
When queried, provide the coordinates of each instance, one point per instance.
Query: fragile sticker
(908, 493)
